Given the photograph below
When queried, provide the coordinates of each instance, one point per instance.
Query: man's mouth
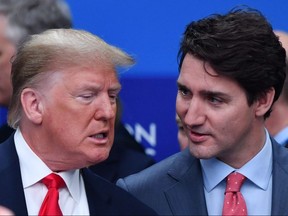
(100, 135)
(197, 137)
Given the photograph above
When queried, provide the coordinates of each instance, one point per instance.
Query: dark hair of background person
(218, 46)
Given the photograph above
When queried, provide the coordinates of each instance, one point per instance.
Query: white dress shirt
(256, 189)
(72, 199)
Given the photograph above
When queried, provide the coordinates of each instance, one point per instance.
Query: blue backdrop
(151, 32)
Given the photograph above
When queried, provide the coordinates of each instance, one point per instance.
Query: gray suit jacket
(174, 186)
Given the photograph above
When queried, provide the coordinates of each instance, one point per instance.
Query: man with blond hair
(63, 108)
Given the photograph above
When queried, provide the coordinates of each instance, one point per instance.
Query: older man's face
(78, 116)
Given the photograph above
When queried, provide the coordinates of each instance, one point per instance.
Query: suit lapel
(12, 192)
(280, 176)
(98, 194)
(186, 197)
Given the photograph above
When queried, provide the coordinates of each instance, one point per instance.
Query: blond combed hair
(56, 49)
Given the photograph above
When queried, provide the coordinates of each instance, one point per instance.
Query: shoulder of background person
(122, 162)
(5, 132)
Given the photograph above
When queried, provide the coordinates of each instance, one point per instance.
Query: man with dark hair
(232, 69)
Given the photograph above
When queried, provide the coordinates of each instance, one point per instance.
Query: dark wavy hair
(240, 45)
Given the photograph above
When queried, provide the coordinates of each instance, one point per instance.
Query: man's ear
(264, 102)
(32, 105)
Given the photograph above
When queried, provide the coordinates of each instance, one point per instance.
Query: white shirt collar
(33, 169)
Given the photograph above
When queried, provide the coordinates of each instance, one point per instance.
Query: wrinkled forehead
(92, 73)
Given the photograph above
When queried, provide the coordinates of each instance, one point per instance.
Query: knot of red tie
(234, 182)
(50, 205)
(234, 203)
(53, 181)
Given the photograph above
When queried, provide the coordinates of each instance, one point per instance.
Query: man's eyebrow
(179, 85)
(215, 93)
(115, 88)
(206, 92)
(212, 92)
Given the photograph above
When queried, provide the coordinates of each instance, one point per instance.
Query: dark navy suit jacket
(174, 186)
(104, 198)
(126, 157)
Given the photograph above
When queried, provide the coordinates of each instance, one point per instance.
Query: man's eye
(86, 96)
(113, 98)
(215, 100)
(183, 91)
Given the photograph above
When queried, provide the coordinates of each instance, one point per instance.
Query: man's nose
(105, 108)
(195, 114)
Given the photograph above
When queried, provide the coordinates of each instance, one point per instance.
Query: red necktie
(50, 205)
(234, 203)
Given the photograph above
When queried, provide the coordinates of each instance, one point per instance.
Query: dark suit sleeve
(105, 198)
(5, 132)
